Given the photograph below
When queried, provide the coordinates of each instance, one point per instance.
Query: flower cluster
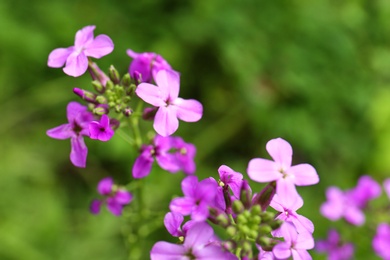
(351, 205)
(258, 225)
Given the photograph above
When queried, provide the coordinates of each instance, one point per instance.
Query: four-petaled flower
(280, 169)
(147, 64)
(171, 108)
(114, 197)
(75, 57)
(381, 241)
(196, 246)
(334, 247)
(101, 130)
(77, 127)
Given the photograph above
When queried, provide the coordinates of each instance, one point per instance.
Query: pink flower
(101, 130)
(75, 57)
(381, 241)
(334, 247)
(295, 245)
(196, 246)
(280, 169)
(170, 106)
(115, 198)
(77, 127)
(287, 206)
(386, 186)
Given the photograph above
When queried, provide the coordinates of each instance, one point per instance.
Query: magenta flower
(75, 57)
(115, 198)
(381, 241)
(173, 221)
(334, 247)
(231, 178)
(280, 169)
(170, 106)
(339, 204)
(287, 207)
(184, 153)
(147, 64)
(159, 150)
(366, 189)
(295, 245)
(77, 127)
(196, 246)
(198, 197)
(101, 130)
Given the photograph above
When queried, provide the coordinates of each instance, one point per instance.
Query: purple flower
(170, 106)
(198, 197)
(381, 241)
(101, 130)
(173, 221)
(339, 204)
(147, 64)
(77, 127)
(336, 249)
(367, 189)
(287, 206)
(75, 57)
(295, 245)
(230, 178)
(160, 150)
(196, 246)
(114, 197)
(280, 169)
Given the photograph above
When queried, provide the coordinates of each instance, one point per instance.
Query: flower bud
(265, 229)
(267, 216)
(97, 85)
(85, 95)
(114, 75)
(101, 99)
(264, 241)
(149, 113)
(231, 231)
(246, 194)
(100, 109)
(238, 207)
(264, 197)
(277, 223)
(97, 75)
(219, 217)
(126, 80)
(127, 111)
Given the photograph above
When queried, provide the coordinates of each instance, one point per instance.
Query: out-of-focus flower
(114, 197)
(75, 57)
(334, 247)
(381, 241)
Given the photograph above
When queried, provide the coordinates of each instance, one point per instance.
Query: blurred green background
(316, 73)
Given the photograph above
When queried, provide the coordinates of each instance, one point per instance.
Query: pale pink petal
(132, 54)
(277, 204)
(386, 185)
(165, 121)
(169, 82)
(301, 255)
(172, 222)
(79, 151)
(354, 216)
(188, 110)
(213, 252)
(305, 174)
(76, 64)
(73, 110)
(168, 162)
(61, 132)
(84, 36)
(304, 241)
(163, 251)
(57, 57)
(282, 250)
(99, 47)
(189, 186)
(150, 94)
(198, 235)
(285, 188)
(263, 170)
(305, 223)
(281, 151)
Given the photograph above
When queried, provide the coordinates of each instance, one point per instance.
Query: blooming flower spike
(77, 127)
(170, 106)
(75, 57)
(280, 169)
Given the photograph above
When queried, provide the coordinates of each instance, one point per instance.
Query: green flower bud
(101, 100)
(126, 80)
(276, 224)
(98, 86)
(231, 231)
(114, 75)
(267, 216)
(265, 229)
(237, 207)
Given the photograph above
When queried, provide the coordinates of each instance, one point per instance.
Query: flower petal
(76, 64)
(132, 54)
(183, 206)
(99, 47)
(79, 151)
(150, 94)
(305, 174)
(143, 164)
(282, 250)
(73, 111)
(172, 222)
(281, 151)
(105, 186)
(165, 121)
(57, 57)
(84, 36)
(94, 208)
(169, 83)
(263, 170)
(198, 235)
(188, 110)
(163, 250)
(189, 186)
(61, 132)
(123, 197)
(114, 207)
